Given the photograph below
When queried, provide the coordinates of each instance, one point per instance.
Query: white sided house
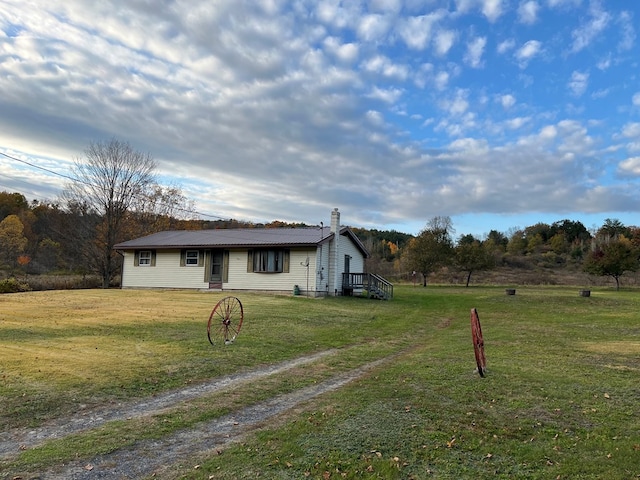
(314, 261)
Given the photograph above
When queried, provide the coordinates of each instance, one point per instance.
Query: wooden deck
(374, 286)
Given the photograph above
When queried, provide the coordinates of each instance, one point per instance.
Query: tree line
(114, 196)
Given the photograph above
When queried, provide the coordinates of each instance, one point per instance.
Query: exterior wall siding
(240, 279)
(167, 272)
(322, 270)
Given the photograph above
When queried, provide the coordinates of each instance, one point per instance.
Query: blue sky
(498, 113)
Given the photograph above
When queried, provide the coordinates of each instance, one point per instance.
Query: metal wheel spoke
(225, 321)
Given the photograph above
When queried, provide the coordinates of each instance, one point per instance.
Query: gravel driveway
(153, 456)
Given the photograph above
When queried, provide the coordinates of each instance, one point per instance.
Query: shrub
(64, 282)
(12, 285)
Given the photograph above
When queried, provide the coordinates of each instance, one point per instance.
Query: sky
(499, 114)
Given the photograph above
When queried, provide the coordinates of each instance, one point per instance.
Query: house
(314, 261)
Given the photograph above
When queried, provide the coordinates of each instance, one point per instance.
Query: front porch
(374, 285)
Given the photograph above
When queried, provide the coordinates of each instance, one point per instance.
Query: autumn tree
(612, 258)
(109, 180)
(432, 248)
(12, 204)
(12, 240)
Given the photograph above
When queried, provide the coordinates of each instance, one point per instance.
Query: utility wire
(75, 180)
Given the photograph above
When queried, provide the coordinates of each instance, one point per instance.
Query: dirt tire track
(147, 457)
(154, 456)
(12, 441)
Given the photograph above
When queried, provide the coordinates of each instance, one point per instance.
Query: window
(144, 259)
(269, 261)
(191, 257)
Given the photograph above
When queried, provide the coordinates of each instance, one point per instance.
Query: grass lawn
(561, 398)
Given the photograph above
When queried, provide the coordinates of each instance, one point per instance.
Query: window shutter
(225, 267)
(183, 258)
(153, 258)
(136, 258)
(207, 265)
(200, 258)
(285, 261)
(249, 261)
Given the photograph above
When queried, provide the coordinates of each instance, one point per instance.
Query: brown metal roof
(233, 237)
(238, 237)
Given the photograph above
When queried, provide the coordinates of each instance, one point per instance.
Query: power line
(76, 180)
(41, 168)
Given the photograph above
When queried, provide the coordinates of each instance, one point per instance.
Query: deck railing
(373, 285)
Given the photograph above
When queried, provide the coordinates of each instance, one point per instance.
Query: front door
(217, 260)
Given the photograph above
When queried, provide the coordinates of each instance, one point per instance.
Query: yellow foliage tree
(12, 240)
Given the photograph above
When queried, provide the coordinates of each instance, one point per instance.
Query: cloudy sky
(497, 113)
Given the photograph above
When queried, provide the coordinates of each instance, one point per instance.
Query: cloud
(529, 50)
(492, 9)
(507, 101)
(388, 95)
(443, 41)
(335, 14)
(457, 104)
(627, 31)
(345, 52)
(528, 12)
(276, 108)
(475, 50)
(516, 123)
(442, 80)
(630, 166)
(563, 3)
(589, 31)
(417, 31)
(578, 83)
(386, 6)
(464, 6)
(604, 63)
(384, 66)
(631, 130)
(506, 45)
(373, 27)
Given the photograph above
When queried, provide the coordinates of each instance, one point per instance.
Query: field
(124, 384)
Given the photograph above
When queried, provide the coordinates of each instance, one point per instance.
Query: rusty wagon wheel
(225, 321)
(478, 342)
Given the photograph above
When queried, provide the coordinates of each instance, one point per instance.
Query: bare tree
(161, 208)
(109, 180)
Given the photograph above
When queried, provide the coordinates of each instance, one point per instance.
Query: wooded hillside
(44, 239)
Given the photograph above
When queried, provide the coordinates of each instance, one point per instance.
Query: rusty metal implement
(478, 342)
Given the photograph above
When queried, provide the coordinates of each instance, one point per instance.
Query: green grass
(560, 399)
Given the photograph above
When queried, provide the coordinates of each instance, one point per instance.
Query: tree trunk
(468, 278)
